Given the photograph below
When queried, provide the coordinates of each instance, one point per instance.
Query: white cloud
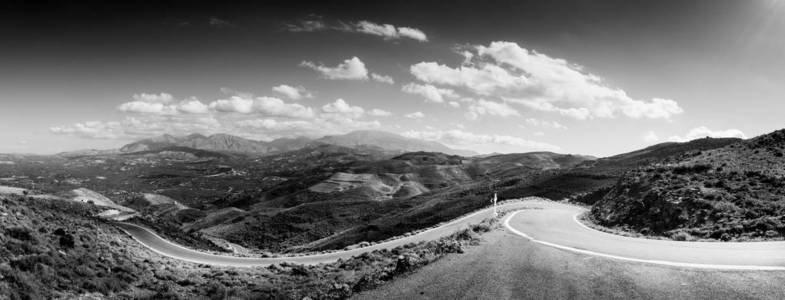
(483, 81)
(483, 107)
(703, 131)
(485, 143)
(91, 129)
(544, 123)
(262, 105)
(146, 108)
(382, 78)
(415, 115)
(140, 127)
(350, 69)
(388, 31)
(306, 26)
(154, 98)
(192, 106)
(294, 93)
(454, 104)
(343, 109)
(429, 92)
(540, 82)
(162, 104)
(412, 33)
(379, 113)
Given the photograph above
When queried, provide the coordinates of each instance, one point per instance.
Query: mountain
(384, 141)
(216, 142)
(734, 192)
(390, 142)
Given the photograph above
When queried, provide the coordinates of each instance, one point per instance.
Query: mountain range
(380, 140)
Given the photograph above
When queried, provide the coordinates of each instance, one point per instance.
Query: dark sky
(721, 61)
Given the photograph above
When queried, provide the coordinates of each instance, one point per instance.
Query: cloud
(162, 104)
(454, 104)
(91, 129)
(294, 93)
(540, 82)
(350, 69)
(429, 92)
(415, 115)
(379, 113)
(544, 123)
(483, 107)
(241, 113)
(388, 31)
(140, 127)
(485, 143)
(343, 109)
(154, 98)
(703, 131)
(412, 33)
(192, 106)
(220, 23)
(262, 105)
(306, 26)
(382, 78)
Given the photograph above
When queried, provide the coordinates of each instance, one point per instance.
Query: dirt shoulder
(506, 266)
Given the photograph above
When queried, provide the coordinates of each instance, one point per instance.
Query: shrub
(20, 233)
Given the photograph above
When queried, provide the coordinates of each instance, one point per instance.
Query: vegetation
(56, 249)
(732, 193)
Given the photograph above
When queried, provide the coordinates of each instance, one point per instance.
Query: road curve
(555, 224)
(164, 247)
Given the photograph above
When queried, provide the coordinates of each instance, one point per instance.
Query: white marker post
(495, 213)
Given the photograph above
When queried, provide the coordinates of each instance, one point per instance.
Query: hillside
(735, 192)
(594, 177)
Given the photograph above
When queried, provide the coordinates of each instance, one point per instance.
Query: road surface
(507, 266)
(556, 225)
(154, 242)
(547, 223)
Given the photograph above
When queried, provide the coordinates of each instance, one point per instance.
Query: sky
(586, 77)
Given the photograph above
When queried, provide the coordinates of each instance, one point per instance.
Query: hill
(593, 178)
(735, 192)
(364, 139)
(388, 141)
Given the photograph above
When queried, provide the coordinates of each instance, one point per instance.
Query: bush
(20, 233)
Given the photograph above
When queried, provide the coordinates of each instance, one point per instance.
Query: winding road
(164, 247)
(549, 223)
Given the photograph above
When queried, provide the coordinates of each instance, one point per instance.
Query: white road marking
(648, 261)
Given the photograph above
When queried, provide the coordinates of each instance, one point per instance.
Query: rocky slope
(736, 192)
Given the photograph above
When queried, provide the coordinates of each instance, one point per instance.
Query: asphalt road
(162, 246)
(556, 225)
(506, 266)
(547, 223)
